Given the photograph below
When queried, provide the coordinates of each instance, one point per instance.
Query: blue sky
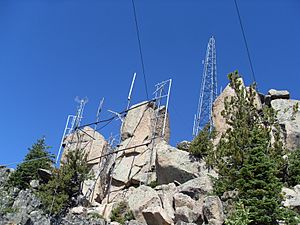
(53, 51)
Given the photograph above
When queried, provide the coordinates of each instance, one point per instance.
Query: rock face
(213, 210)
(288, 115)
(157, 216)
(143, 198)
(26, 210)
(136, 165)
(218, 106)
(173, 164)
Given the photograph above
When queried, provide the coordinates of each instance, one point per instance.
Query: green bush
(202, 146)
(62, 190)
(38, 157)
(121, 213)
(240, 216)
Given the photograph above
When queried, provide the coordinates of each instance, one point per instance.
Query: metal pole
(62, 139)
(130, 90)
(167, 105)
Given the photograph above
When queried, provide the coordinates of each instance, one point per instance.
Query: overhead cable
(140, 47)
(245, 40)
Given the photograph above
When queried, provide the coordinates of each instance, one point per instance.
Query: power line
(245, 40)
(140, 47)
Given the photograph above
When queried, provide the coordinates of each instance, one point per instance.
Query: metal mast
(208, 91)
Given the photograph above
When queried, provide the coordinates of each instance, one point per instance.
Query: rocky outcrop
(136, 161)
(142, 198)
(174, 165)
(288, 115)
(157, 216)
(26, 210)
(292, 198)
(219, 121)
(213, 210)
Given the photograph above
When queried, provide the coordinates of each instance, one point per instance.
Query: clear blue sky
(53, 51)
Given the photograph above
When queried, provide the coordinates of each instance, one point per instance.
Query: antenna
(130, 90)
(208, 90)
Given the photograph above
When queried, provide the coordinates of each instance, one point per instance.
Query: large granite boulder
(213, 210)
(288, 115)
(166, 193)
(135, 161)
(91, 141)
(174, 165)
(143, 198)
(197, 188)
(219, 105)
(157, 216)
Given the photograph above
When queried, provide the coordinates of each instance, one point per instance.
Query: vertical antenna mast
(208, 91)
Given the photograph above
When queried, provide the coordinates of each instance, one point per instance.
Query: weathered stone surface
(142, 198)
(132, 120)
(34, 184)
(173, 164)
(166, 193)
(184, 223)
(289, 119)
(279, 94)
(81, 219)
(187, 209)
(134, 168)
(187, 215)
(184, 145)
(218, 106)
(197, 188)
(91, 141)
(213, 210)
(134, 222)
(292, 197)
(156, 216)
(27, 211)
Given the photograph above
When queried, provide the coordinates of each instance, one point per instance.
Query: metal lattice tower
(73, 122)
(208, 91)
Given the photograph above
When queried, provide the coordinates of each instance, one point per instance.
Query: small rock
(184, 145)
(276, 94)
(78, 210)
(34, 184)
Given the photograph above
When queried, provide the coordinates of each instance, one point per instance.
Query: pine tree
(38, 157)
(246, 159)
(62, 190)
(293, 169)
